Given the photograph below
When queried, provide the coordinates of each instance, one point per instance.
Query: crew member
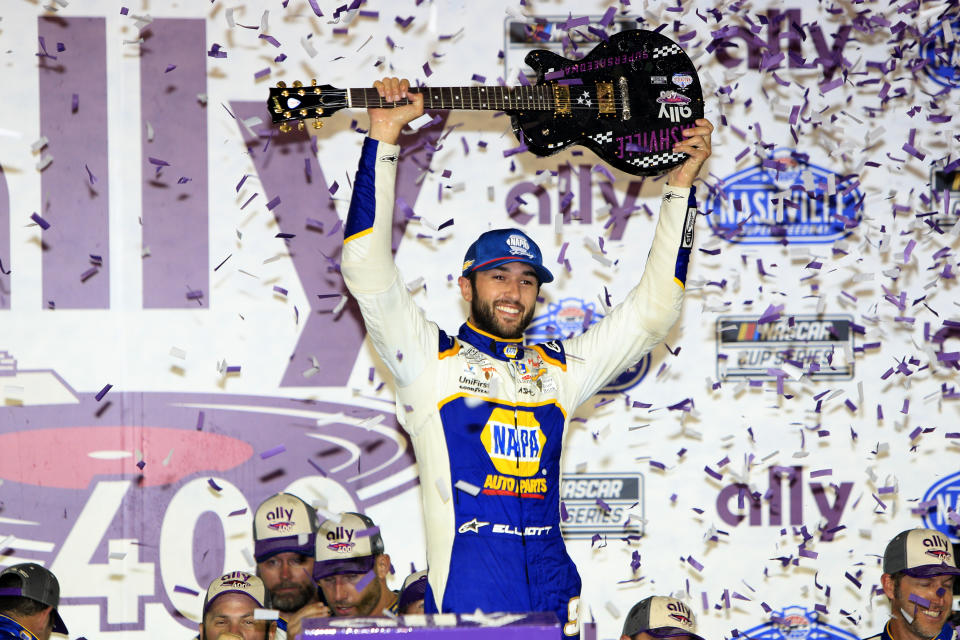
(29, 597)
(918, 574)
(229, 609)
(660, 617)
(351, 567)
(485, 413)
(412, 592)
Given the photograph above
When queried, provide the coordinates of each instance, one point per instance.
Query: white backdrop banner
(176, 343)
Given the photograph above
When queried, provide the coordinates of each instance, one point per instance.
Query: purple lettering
(513, 203)
(619, 155)
(78, 213)
(620, 212)
(4, 242)
(585, 213)
(336, 338)
(831, 513)
(175, 220)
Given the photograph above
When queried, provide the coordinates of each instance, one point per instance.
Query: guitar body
(627, 101)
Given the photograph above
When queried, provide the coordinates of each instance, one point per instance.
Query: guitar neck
(495, 98)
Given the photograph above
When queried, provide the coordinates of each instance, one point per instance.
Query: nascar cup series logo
(946, 496)
(572, 316)
(797, 623)
(786, 198)
(940, 50)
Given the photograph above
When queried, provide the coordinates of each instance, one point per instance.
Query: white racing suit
(487, 416)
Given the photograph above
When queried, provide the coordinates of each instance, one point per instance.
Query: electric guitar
(627, 101)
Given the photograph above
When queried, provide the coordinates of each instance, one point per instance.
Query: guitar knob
(297, 83)
(318, 124)
(282, 84)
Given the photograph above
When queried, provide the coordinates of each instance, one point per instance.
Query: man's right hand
(385, 124)
(314, 610)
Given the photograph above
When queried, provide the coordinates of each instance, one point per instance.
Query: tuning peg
(297, 83)
(282, 84)
(285, 127)
(318, 124)
(313, 82)
(319, 111)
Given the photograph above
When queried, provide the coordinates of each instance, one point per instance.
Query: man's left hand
(696, 145)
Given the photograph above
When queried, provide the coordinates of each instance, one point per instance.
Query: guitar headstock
(299, 102)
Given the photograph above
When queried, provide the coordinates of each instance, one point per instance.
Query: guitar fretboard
(496, 98)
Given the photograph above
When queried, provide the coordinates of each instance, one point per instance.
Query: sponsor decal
(467, 265)
(516, 531)
(797, 623)
(621, 495)
(672, 97)
(658, 79)
(474, 385)
(945, 493)
(942, 54)
(514, 442)
(236, 579)
(737, 497)
(680, 614)
(280, 519)
(472, 526)
(682, 80)
(570, 317)
(341, 547)
(674, 112)
(786, 198)
(497, 485)
(822, 345)
(517, 245)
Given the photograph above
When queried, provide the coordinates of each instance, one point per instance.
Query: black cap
(38, 584)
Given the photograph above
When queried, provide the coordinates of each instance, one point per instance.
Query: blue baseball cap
(500, 246)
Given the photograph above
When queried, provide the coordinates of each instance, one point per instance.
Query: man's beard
(370, 600)
(484, 318)
(290, 602)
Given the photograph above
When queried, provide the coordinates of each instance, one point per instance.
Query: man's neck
(898, 629)
(387, 599)
(26, 624)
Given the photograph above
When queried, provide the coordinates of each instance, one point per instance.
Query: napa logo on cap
(942, 497)
(786, 198)
(942, 57)
(570, 317)
(514, 447)
(518, 246)
(797, 623)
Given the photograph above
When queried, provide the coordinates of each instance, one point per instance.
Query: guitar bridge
(626, 98)
(561, 99)
(605, 101)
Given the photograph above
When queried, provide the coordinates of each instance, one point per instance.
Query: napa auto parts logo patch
(945, 190)
(820, 345)
(942, 498)
(609, 504)
(786, 198)
(116, 494)
(570, 317)
(797, 623)
(941, 53)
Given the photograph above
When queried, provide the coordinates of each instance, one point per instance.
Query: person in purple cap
(919, 569)
(29, 597)
(485, 412)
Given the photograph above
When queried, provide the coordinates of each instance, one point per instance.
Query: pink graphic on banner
(334, 339)
(75, 186)
(174, 165)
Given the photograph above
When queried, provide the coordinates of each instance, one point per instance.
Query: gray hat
(661, 617)
(37, 584)
(920, 553)
(348, 546)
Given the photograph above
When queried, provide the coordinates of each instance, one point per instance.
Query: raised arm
(396, 326)
(652, 307)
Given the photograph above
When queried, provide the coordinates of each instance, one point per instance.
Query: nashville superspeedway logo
(748, 348)
(946, 493)
(797, 623)
(786, 198)
(942, 54)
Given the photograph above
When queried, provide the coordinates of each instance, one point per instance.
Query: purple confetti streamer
(272, 452)
(103, 392)
(214, 485)
(181, 589)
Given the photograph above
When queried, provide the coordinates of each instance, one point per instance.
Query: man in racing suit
(486, 414)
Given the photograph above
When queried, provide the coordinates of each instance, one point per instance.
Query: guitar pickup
(605, 99)
(561, 99)
(625, 113)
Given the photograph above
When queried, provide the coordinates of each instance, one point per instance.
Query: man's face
(502, 299)
(233, 613)
(345, 600)
(919, 622)
(288, 577)
(643, 635)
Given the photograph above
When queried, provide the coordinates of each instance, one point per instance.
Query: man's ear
(202, 637)
(466, 290)
(381, 566)
(886, 580)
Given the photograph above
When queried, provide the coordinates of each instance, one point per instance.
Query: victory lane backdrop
(176, 343)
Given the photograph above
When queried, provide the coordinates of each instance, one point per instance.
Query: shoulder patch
(553, 352)
(448, 346)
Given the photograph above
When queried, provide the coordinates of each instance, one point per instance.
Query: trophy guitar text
(627, 101)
